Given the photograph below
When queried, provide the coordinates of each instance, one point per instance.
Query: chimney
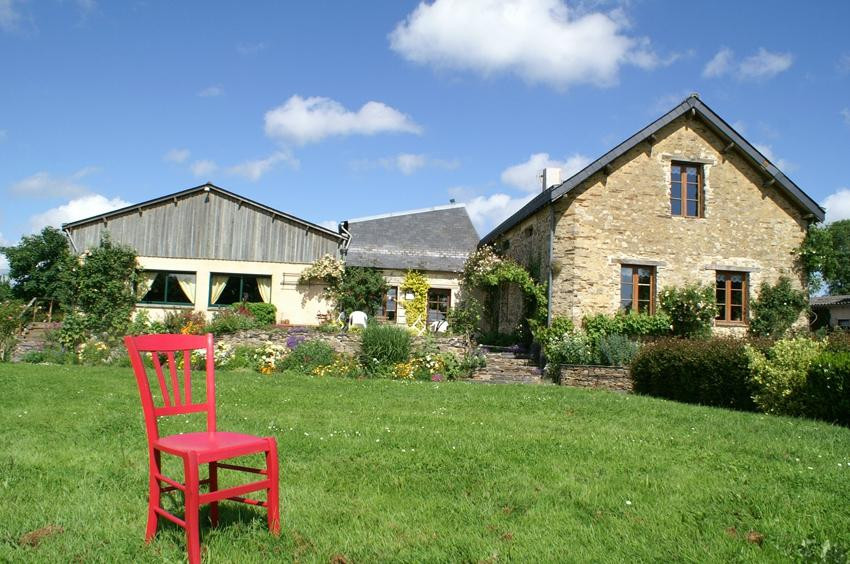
(551, 177)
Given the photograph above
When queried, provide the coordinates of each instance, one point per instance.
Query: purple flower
(293, 341)
(437, 378)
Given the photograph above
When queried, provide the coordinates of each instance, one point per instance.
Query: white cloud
(526, 175)
(203, 167)
(406, 163)
(759, 66)
(9, 15)
(307, 120)
(845, 113)
(178, 156)
(764, 64)
(255, 169)
(837, 205)
(211, 92)
(251, 48)
(538, 40)
(781, 164)
(78, 208)
(330, 224)
(486, 212)
(45, 185)
(720, 64)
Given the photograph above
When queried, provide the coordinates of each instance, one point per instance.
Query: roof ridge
(406, 212)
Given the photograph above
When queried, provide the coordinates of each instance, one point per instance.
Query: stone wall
(624, 218)
(613, 378)
(348, 343)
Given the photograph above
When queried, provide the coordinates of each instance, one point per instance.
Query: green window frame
(169, 283)
(241, 293)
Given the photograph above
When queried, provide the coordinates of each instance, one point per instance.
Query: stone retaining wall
(348, 343)
(613, 378)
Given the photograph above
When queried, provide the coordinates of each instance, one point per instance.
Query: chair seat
(211, 446)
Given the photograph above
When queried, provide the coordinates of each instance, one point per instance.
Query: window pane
(391, 298)
(692, 208)
(230, 294)
(676, 172)
(675, 206)
(692, 173)
(644, 275)
(626, 274)
(692, 192)
(643, 307)
(737, 313)
(737, 281)
(157, 290)
(175, 292)
(626, 292)
(737, 298)
(644, 293)
(626, 305)
(250, 290)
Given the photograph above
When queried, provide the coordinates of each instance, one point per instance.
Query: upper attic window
(686, 190)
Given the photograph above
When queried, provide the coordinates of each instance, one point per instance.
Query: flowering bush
(692, 309)
(222, 354)
(776, 308)
(780, 375)
(268, 357)
(572, 348)
(185, 322)
(93, 352)
(343, 366)
(416, 310)
(328, 269)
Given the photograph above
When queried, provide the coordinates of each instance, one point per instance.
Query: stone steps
(33, 338)
(508, 367)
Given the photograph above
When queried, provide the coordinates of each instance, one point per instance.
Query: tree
(360, 288)
(35, 264)
(776, 309)
(825, 254)
(99, 287)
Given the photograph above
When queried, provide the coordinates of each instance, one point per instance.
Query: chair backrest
(174, 400)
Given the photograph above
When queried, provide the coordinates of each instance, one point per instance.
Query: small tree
(825, 255)
(776, 309)
(360, 289)
(99, 286)
(35, 264)
(692, 309)
(465, 317)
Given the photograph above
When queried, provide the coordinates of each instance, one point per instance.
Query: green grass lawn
(425, 472)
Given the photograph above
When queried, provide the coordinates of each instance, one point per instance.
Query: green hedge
(264, 313)
(826, 393)
(709, 372)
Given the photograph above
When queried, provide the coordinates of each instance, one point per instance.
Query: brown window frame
(724, 316)
(683, 189)
(442, 291)
(635, 268)
(384, 313)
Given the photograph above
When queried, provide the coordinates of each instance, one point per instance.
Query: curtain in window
(187, 284)
(217, 284)
(264, 285)
(144, 282)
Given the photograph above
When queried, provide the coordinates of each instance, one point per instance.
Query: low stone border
(613, 378)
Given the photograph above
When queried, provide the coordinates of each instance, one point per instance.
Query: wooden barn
(205, 248)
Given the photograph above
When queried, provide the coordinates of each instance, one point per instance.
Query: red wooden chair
(206, 447)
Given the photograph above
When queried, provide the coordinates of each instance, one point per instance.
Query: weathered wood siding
(212, 226)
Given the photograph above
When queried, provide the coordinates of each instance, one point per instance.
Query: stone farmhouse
(434, 241)
(685, 199)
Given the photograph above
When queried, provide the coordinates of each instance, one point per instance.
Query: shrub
(10, 323)
(692, 309)
(263, 313)
(360, 288)
(185, 322)
(229, 321)
(617, 350)
(330, 327)
(73, 331)
(547, 336)
(826, 392)
(93, 352)
(780, 374)
(631, 324)
(838, 341)
(309, 355)
(269, 358)
(343, 366)
(464, 317)
(572, 348)
(709, 372)
(776, 309)
(384, 344)
(242, 356)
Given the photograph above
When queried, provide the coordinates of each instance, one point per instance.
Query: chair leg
(213, 487)
(153, 495)
(272, 498)
(190, 515)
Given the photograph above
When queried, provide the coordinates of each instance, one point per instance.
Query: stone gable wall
(625, 217)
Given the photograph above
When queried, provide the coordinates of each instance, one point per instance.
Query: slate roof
(697, 108)
(439, 238)
(824, 301)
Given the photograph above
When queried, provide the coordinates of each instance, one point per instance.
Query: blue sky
(337, 110)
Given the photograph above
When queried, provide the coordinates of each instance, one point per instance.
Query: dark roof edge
(714, 120)
(213, 188)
